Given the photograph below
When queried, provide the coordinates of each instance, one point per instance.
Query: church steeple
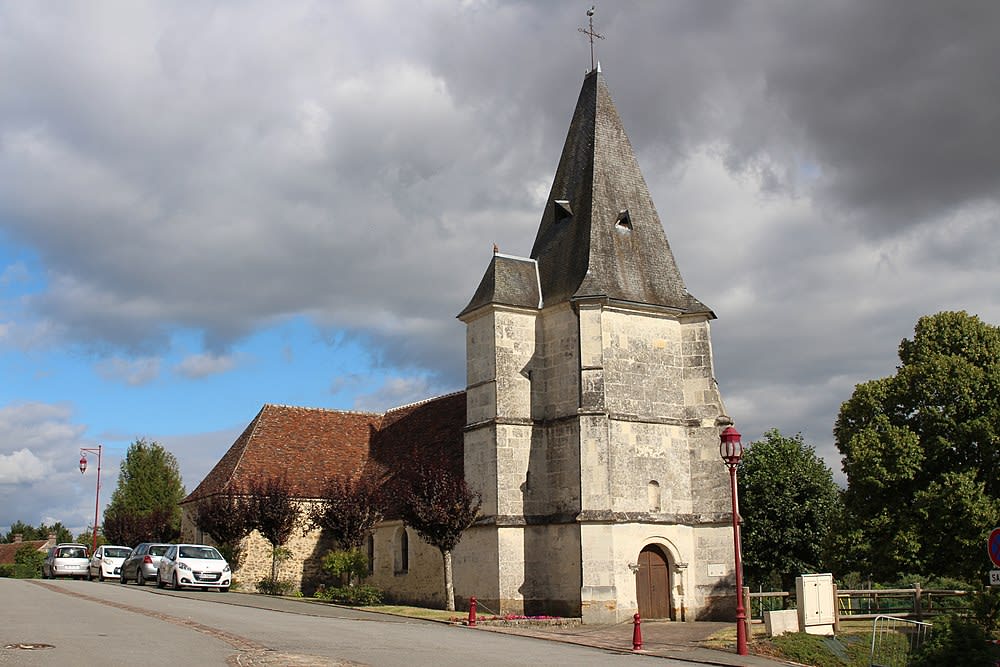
(600, 235)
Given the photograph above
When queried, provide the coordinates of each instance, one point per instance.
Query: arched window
(653, 496)
(402, 559)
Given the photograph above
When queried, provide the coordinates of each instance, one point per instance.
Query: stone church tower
(593, 415)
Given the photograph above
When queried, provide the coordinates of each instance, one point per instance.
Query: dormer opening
(563, 210)
(624, 219)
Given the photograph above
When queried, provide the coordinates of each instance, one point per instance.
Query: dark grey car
(142, 562)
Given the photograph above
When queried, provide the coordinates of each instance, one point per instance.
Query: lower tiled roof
(310, 446)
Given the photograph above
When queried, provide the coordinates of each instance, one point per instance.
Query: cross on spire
(590, 32)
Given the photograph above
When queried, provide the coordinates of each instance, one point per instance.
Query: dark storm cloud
(826, 172)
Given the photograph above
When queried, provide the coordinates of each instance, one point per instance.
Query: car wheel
(122, 579)
(100, 575)
(176, 584)
(159, 582)
(140, 579)
(223, 589)
(89, 577)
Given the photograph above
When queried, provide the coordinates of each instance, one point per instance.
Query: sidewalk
(667, 639)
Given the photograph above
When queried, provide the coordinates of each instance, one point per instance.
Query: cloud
(19, 467)
(395, 392)
(203, 365)
(826, 174)
(133, 372)
(39, 474)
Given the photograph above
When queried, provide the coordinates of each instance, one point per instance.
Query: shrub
(7, 570)
(957, 641)
(351, 563)
(353, 596)
(28, 562)
(270, 586)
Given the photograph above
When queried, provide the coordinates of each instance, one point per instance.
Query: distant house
(9, 550)
(589, 424)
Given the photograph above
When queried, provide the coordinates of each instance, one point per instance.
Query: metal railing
(895, 639)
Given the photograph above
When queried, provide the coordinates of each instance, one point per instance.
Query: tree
(349, 509)
(921, 449)
(130, 529)
(149, 487)
(225, 516)
(29, 532)
(787, 499)
(273, 511)
(440, 507)
(28, 562)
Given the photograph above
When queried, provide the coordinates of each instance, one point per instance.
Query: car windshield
(120, 552)
(72, 552)
(158, 549)
(204, 553)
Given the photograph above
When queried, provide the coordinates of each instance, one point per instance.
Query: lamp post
(97, 502)
(731, 450)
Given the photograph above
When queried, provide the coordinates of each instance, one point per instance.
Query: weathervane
(590, 31)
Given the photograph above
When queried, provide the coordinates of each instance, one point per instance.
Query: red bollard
(472, 612)
(636, 633)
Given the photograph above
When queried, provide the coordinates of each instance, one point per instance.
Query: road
(90, 623)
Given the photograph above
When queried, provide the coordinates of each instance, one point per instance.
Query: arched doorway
(652, 584)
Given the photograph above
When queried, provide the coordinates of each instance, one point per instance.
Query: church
(589, 424)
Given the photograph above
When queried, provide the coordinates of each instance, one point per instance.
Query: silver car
(66, 560)
(141, 564)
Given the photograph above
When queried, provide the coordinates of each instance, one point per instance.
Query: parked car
(66, 560)
(142, 562)
(197, 565)
(107, 562)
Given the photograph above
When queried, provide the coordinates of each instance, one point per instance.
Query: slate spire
(600, 235)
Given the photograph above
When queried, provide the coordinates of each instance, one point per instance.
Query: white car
(195, 565)
(107, 562)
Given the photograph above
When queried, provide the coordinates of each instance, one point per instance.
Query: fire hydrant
(472, 612)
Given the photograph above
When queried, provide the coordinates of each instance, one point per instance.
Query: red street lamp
(83, 468)
(731, 450)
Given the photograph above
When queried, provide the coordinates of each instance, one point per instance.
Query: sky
(210, 206)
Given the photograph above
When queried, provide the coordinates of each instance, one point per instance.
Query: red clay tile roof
(310, 446)
(8, 550)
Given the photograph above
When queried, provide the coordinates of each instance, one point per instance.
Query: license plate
(72, 567)
(208, 577)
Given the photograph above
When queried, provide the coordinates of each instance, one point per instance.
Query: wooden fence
(865, 604)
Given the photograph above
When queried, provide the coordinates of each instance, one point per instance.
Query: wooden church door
(653, 584)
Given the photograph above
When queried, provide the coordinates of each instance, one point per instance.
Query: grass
(415, 612)
(850, 648)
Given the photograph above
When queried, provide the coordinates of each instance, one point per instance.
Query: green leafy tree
(87, 538)
(149, 486)
(440, 507)
(787, 500)
(921, 449)
(28, 562)
(29, 532)
(273, 512)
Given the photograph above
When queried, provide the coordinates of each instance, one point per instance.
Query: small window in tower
(653, 496)
(563, 210)
(624, 219)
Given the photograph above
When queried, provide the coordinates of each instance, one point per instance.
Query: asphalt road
(83, 623)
